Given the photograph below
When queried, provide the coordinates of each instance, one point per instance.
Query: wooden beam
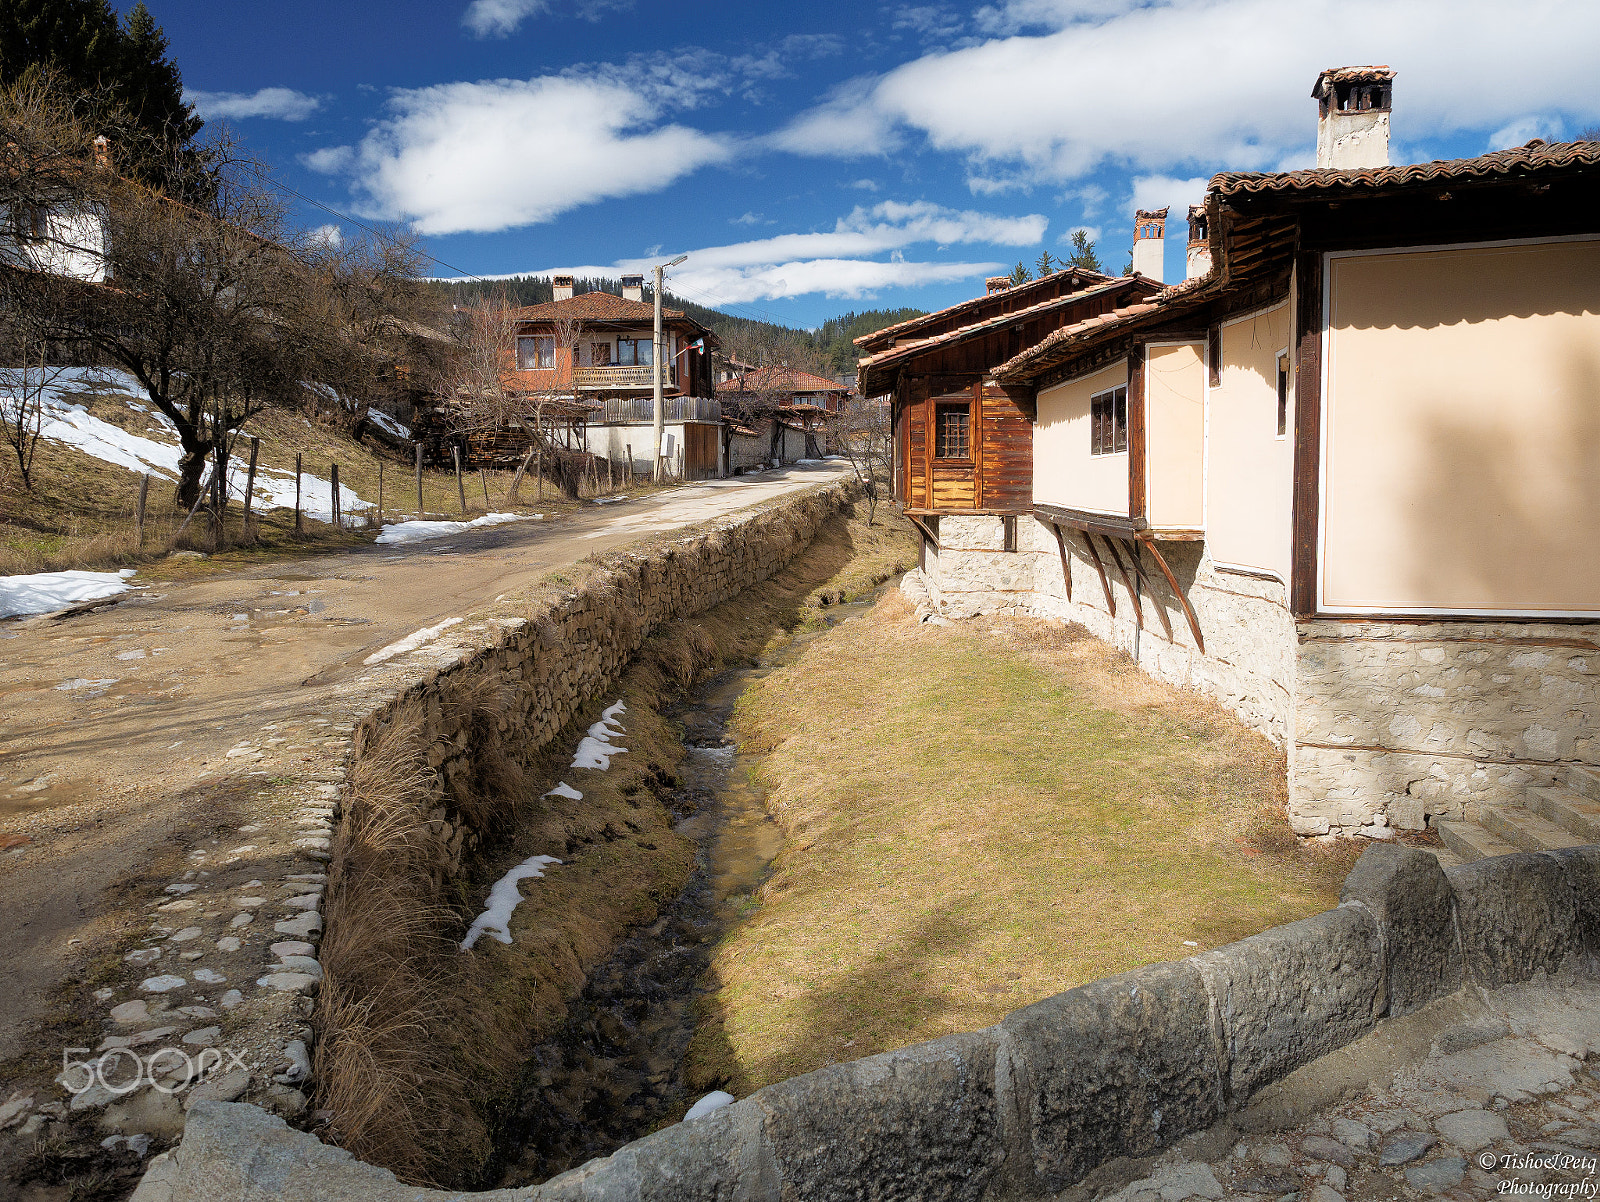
(1188, 612)
(1133, 593)
(1104, 524)
(926, 533)
(1137, 468)
(1308, 403)
(1161, 610)
(1099, 566)
(1066, 564)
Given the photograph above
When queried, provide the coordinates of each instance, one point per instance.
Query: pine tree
(124, 84)
(1083, 255)
(1020, 274)
(1046, 264)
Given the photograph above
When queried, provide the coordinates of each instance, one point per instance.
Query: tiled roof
(1374, 74)
(1015, 290)
(1536, 156)
(1003, 319)
(1055, 346)
(780, 379)
(595, 306)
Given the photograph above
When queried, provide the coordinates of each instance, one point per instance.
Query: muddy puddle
(615, 1072)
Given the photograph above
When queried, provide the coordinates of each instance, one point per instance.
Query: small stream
(615, 1070)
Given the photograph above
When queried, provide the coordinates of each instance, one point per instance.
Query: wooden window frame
(543, 357)
(1107, 434)
(635, 345)
(1284, 385)
(939, 406)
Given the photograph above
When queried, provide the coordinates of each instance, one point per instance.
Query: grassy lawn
(979, 816)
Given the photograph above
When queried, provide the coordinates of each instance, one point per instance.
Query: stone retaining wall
(1120, 1068)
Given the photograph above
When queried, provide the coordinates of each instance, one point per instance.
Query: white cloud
(330, 160)
(1156, 85)
(283, 104)
(1152, 192)
(864, 185)
(747, 219)
(1524, 130)
(837, 262)
(481, 157)
(500, 18)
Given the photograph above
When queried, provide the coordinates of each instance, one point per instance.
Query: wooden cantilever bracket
(1099, 566)
(1133, 593)
(1161, 610)
(926, 533)
(1188, 611)
(1066, 564)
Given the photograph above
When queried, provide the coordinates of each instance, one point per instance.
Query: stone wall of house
(747, 451)
(1400, 722)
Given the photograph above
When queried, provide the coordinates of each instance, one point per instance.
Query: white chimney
(1149, 243)
(633, 287)
(997, 283)
(563, 287)
(1353, 105)
(1198, 259)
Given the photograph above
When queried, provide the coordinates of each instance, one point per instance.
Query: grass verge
(991, 813)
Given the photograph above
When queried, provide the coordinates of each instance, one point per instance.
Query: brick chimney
(1149, 243)
(633, 287)
(997, 283)
(563, 287)
(1353, 105)
(102, 151)
(1198, 259)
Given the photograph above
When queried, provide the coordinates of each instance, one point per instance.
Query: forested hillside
(828, 350)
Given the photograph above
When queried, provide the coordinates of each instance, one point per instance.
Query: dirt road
(116, 727)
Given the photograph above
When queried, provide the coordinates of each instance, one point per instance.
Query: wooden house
(1345, 479)
(963, 440)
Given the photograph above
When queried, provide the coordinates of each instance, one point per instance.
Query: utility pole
(656, 365)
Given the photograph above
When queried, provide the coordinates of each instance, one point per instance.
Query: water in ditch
(615, 1071)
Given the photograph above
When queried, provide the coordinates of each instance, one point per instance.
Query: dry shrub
(485, 795)
(681, 652)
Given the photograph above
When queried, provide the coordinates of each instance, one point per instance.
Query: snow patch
(410, 643)
(610, 500)
(596, 748)
(565, 790)
(503, 899)
(715, 1100)
(416, 532)
(46, 592)
(381, 419)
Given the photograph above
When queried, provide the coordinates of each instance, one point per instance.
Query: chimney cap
(632, 281)
(998, 283)
(559, 280)
(1151, 214)
(1380, 73)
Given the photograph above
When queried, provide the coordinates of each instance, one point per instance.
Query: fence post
(138, 510)
(338, 523)
(538, 466)
(420, 513)
(516, 481)
(250, 484)
(629, 447)
(483, 479)
(461, 490)
(380, 494)
(298, 528)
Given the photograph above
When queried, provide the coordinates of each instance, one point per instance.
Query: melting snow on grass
(416, 532)
(73, 425)
(381, 419)
(565, 790)
(46, 592)
(596, 749)
(411, 642)
(503, 898)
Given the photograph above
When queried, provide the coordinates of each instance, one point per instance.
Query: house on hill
(1345, 478)
(777, 415)
(963, 440)
(595, 351)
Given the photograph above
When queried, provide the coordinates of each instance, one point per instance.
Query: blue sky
(820, 157)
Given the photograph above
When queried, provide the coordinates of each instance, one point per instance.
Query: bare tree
(865, 437)
(27, 381)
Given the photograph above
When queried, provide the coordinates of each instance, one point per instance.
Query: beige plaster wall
(1461, 453)
(1250, 469)
(1064, 473)
(1175, 398)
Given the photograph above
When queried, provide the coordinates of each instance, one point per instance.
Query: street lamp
(656, 357)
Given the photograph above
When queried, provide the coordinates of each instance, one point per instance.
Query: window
(535, 353)
(635, 352)
(1108, 422)
(1010, 529)
(952, 431)
(1283, 394)
(600, 354)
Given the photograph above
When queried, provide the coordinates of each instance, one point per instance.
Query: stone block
(1581, 867)
(1518, 915)
(722, 1155)
(1120, 1067)
(920, 1123)
(1291, 994)
(1406, 891)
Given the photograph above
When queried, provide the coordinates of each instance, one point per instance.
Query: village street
(116, 726)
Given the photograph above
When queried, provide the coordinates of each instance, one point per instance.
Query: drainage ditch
(615, 1070)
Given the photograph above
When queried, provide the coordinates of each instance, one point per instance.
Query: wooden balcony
(618, 411)
(599, 379)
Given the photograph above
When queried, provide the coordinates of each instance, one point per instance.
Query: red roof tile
(1087, 279)
(596, 306)
(1536, 156)
(780, 379)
